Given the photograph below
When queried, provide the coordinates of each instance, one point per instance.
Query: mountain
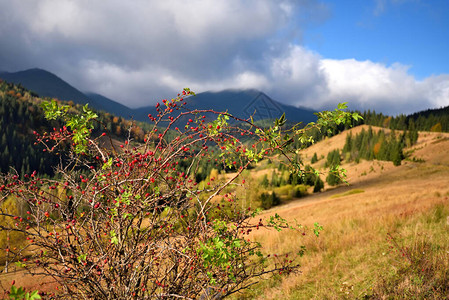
(240, 103)
(45, 84)
(251, 102)
(101, 102)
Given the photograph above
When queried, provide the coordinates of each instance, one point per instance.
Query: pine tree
(264, 181)
(274, 179)
(314, 158)
(348, 144)
(319, 185)
(396, 154)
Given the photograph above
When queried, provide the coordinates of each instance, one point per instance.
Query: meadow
(385, 233)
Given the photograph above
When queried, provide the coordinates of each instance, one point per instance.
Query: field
(373, 228)
(385, 233)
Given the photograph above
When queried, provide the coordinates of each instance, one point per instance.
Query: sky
(391, 56)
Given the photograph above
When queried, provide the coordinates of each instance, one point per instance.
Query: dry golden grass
(352, 252)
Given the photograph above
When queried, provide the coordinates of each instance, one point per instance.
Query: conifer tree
(314, 158)
(319, 185)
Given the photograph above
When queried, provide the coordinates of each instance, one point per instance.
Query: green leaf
(82, 257)
(302, 250)
(20, 264)
(114, 239)
(281, 121)
(33, 296)
(343, 105)
(52, 110)
(108, 164)
(317, 228)
(356, 116)
(17, 293)
(128, 216)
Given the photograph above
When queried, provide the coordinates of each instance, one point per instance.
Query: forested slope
(21, 118)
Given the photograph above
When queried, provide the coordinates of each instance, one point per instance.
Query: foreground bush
(129, 221)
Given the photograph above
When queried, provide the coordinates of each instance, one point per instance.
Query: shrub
(333, 178)
(299, 191)
(131, 222)
(285, 192)
(268, 200)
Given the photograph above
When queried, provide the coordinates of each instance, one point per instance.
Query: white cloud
(392, 89)
(369, 83)
(437, 89)
(296, 76)
(302, 77)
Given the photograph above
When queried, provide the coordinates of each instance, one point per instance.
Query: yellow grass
(410, 201)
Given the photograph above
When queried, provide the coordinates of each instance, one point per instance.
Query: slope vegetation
(385, 234)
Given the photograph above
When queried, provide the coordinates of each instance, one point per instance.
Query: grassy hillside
(385, 234)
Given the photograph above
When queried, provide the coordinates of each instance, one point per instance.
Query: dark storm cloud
(139, 51)
(162, 40)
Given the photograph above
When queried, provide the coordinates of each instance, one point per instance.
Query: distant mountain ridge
(101, 102)
(241, 103)
(45, 84)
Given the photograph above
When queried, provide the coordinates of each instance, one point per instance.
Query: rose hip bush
(129, 221)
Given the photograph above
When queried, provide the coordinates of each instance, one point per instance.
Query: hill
(382, 231)
(21, 115)
(427, 120)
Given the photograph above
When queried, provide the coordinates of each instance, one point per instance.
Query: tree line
(436, 120)
(381, 146)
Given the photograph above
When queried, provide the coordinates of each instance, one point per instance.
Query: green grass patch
(350, 192)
